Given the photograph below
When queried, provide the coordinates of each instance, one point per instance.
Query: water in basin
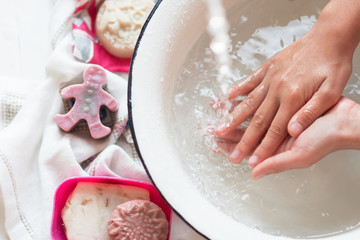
(315, 202)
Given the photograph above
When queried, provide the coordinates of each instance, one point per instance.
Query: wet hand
(287, 94)
(338, 129)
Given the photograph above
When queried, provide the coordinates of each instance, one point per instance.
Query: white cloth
(35, 155)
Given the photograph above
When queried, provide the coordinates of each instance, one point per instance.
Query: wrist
(350, 130)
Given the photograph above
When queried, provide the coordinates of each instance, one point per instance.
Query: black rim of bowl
(131, 122)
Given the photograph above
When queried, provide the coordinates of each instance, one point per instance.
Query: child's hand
(292, 89)
(338, 129)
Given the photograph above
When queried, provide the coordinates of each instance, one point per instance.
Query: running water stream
(218, 29)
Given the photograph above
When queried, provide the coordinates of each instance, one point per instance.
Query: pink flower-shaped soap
(89, 97)
(138, 219)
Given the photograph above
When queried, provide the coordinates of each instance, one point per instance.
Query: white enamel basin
(166, 39)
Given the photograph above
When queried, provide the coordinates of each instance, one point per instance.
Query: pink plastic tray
(66, 188)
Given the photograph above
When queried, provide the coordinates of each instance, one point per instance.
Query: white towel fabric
(35, 155)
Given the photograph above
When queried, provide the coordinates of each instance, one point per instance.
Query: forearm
(339, 24)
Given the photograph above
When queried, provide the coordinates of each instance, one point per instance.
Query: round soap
(118, 24)
(138, 219)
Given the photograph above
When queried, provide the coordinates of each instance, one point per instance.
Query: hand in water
(336, 130)
(295, 87)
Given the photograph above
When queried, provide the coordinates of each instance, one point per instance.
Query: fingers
(255, 131)
(275, 135)
(313, 109)
(285, 145)
(256, 92)
(248, 84)
(242, 111)
(218, 104)
(281, 162)
(295, 158)
(320, 139)
(226, 147)
(227, 143)
(233, 136)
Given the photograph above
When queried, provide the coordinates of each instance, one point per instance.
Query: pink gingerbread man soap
(89, 97)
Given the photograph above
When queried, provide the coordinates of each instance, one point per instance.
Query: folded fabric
(86, 47)
(36, 155)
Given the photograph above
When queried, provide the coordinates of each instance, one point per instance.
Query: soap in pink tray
(138, 219)
(67, 187)
(89, 97)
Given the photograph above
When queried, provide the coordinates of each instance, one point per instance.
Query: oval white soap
(118, 24)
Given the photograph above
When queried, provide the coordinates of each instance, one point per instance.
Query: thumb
(282, 162)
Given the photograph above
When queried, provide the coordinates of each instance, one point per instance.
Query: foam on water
(313, 202)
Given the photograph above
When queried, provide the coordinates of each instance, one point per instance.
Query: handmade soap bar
(138, 219)
(89, 97)
(118, 24)
(89, 207)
